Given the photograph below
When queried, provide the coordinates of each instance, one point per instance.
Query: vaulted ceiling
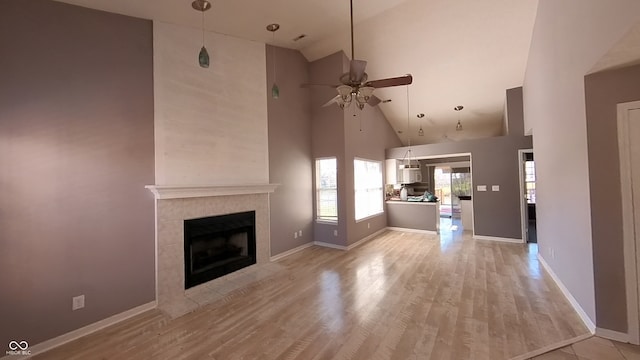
(460, 52)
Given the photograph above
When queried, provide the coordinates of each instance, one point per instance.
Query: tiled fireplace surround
(176, 204)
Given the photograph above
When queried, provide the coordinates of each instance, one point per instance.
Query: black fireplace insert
(218, 245)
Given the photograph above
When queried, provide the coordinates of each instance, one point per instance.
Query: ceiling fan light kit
(203, 55)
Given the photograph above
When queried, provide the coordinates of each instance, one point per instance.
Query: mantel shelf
(182, 191)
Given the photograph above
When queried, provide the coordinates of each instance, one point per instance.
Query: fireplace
(218, 245)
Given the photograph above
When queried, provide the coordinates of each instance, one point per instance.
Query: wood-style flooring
(594, 348)
(398, 296)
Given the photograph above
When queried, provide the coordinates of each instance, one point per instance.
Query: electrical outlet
(77, 302)
(335, 232)
(368, 226)
(295, 234)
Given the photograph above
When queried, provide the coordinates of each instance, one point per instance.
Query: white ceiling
(460, 52)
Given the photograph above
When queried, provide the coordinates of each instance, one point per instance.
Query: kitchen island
(414, 215)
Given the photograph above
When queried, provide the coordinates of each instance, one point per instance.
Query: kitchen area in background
(444, 184)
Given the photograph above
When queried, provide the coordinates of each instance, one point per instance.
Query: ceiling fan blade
(396, 81)
(330, 102)
(306, 86)
(356, 71)
(374, 100)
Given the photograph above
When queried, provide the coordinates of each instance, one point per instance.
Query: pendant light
(408, 155)
(203, 56)
(459, 124)
(420, 132)
(275, 90)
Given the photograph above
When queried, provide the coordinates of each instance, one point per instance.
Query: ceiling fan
(354, 85)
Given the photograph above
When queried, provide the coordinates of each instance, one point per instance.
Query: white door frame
(631, 258)
(523, 204)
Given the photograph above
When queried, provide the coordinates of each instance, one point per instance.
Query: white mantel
(182, 191)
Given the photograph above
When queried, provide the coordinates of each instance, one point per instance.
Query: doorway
(528, 196)
(629, 151)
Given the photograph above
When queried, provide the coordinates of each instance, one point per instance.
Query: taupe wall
(494, 161)
(367, 135)
(76, 149)
(328, 134)
(514, 111)
(290, 160)
(603, 91)
(341, 134)
(569, 37)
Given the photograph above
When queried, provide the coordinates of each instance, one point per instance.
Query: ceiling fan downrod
(352, 52)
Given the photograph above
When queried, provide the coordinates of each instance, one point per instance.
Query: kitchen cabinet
(392, 172)
(466, 212)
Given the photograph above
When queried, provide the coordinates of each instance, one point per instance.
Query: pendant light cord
(202, 28)
(274, 56)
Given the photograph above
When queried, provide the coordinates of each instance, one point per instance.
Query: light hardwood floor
(398, 296)
(594, 348)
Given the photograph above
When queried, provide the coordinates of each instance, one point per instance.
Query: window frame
(318, 189)
(379, 189)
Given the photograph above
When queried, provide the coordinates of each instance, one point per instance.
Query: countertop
(411, 202)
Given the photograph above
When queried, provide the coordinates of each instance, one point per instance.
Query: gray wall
(338, 133)
(514, 115)
(290, 160)
(494, 161)
(367, 135)
(76, 149)
(328, 134)
(569, 37)
(603, 91)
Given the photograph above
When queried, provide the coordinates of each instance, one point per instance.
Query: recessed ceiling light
(299, 37)
(386, 101)
(420, 116)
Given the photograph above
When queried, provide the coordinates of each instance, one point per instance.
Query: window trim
(381, 212)
(318, 219)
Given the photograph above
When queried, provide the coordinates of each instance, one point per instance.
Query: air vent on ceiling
(299, 37)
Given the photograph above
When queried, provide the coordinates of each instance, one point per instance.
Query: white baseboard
(500, 239)
(355, 244)
(613, 335)
(567, 294)
(365, 239)
(429, 232)
(291, 252)
(89, 329)
(555, 346)
(329, 245)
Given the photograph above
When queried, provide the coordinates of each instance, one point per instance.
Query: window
(530, 181)
(327, 189)
(367, 178)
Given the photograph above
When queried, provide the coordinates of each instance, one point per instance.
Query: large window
(327, 189)
(367, 176)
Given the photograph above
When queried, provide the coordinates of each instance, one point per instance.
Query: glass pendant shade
(203, 58)
(366, 92)
(420, 132)
(275, 91)
(458, 126)
(345, 92)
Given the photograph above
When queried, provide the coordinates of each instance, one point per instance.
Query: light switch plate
(495, 187)
(482, 188)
